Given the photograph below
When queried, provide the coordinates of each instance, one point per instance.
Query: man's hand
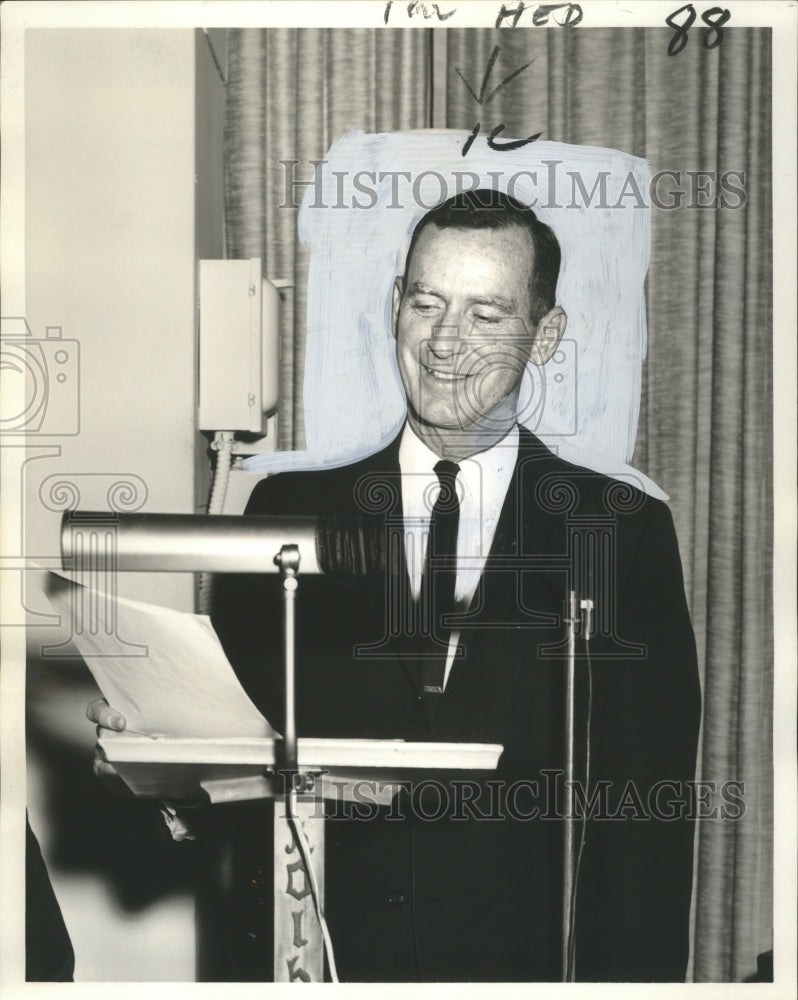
(108, 721)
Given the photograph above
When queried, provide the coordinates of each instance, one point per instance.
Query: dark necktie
(438, 583)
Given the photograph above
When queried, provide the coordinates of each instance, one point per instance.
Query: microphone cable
(304, 850)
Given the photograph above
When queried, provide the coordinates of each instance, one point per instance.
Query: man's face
(463, 329)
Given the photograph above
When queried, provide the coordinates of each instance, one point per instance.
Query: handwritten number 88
(714, 19)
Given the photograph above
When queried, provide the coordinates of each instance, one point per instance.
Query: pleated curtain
(290, 93)
(705, 431)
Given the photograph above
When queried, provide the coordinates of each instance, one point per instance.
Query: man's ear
(547, 335)
(398, 286)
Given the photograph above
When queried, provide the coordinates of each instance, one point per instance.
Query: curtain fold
(705, 430)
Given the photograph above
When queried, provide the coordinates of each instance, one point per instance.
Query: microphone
(336, 545)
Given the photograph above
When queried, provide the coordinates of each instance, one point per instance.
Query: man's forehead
(507, 253)
(511, 238)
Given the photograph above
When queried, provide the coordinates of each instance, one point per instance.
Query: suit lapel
(380, 480)
(523, 529)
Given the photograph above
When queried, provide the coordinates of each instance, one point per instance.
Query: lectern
(298, 773)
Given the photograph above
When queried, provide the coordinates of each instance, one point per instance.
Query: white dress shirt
(481, 484)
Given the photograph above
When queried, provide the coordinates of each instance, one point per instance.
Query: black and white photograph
(398, 510)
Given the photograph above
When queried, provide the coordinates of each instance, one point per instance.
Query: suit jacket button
(397, 899)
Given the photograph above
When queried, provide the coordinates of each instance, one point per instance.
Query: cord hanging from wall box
(239, 360)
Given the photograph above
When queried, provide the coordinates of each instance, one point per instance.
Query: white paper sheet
(180, 684)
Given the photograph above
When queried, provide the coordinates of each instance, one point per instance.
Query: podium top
(177, 767)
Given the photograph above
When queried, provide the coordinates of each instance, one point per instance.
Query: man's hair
(485, 208)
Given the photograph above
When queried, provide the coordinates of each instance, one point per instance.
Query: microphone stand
(569, 826)
(574, 619)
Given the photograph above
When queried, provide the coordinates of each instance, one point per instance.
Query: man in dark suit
(464, 882)
(458, 633)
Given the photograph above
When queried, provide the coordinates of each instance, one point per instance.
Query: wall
(123, 191)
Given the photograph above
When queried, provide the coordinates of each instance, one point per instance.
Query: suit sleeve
(48, 950)
(635, 897)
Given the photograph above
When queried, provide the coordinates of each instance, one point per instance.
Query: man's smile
(444, 375)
